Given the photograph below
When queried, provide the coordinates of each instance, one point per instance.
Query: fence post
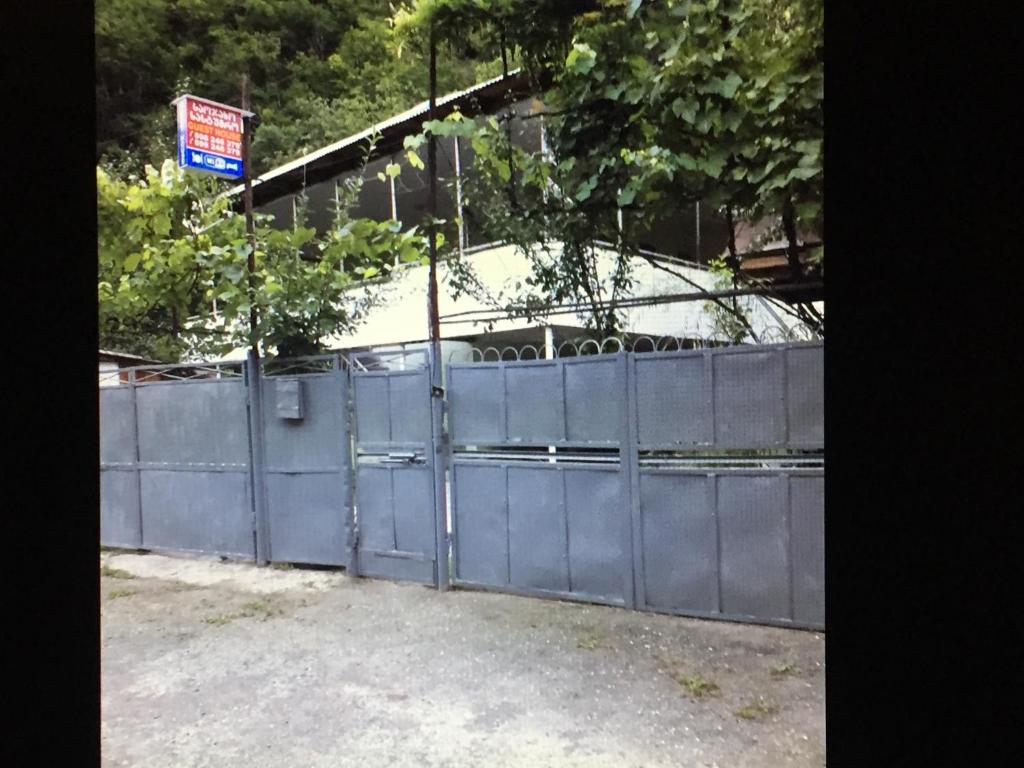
(438, 464)
(630, 453)
(138, 455)
(344, 384)
(253, 382)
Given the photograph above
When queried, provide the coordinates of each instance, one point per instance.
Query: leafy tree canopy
(650, 105)
(173, 277)
(321, 70)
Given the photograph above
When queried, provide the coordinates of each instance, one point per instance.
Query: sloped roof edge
(345, 154)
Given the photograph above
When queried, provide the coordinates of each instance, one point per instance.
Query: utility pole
(247, 125)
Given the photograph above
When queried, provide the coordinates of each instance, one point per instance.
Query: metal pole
(436, 382)
(261, 526)
(247, 198)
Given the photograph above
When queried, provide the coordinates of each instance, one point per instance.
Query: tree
(173, 278)
(321, 70)
(650, 105)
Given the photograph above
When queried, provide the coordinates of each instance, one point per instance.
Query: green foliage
(321, 70)
(650, 106)
(174, 279)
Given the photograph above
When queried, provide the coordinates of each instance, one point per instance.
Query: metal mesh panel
(807, 500)
(193, 423)
(197, 511)
(537, 530)
(805, 396)
(749, 399)
(679, 542)
(753, 532)
(672, 401)
(593, 510)
(117, 426)
(535, 403)
(480, 522)
(477, 395)
(594, 400)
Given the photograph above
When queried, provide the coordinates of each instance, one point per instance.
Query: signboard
(210, 136)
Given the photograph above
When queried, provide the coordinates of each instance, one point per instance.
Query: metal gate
(306, 460)
(395, 471)
(687, 482)
(526, 520)
(175, 464)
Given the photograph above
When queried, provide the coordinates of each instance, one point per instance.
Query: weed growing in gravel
(785, 669)
(114, 573)
(257, 608)
(696, 685)
(282, 566)
(762, 707)
(589, 642)
(116, 593)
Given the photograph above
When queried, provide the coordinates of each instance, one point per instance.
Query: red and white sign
(210, 136)
(211, 127)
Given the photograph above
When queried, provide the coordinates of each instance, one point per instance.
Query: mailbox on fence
(288, 393)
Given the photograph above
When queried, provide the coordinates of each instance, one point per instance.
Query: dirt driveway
(207, 663)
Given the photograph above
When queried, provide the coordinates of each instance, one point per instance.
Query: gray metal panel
(389, 566)
(374, 505)
(193, 422)
(536, 405)
(308, 474)
(805, 372)
(413, 501)
(197, 511)
(371, 408)
(319, 440)
(117, 426)
(679, 542)
(594, 399)
(749, 405)
(593, 508)
(480, 522)
(119, 509)
(538, 552)
(476, 396)
(307, 518)
(288, 398)
(753, 530)
(410, 408)
(672, 400)
(807, 507)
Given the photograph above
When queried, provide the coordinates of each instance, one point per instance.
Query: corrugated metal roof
(420, 110)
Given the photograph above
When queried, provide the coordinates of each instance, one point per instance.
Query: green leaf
(581, 59)
(392, 169)
(414, 160)
(632, 7)
(687, 110)
(626, 197)
(132, 261)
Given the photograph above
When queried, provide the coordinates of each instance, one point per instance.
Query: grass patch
(589, 642)
(114, 573)
(261, 609)
(785, 668)
(757, 709)
(282, 566)
(116, 593)
(696, 685)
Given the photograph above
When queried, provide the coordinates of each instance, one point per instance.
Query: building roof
(346, 154)
(107, 355)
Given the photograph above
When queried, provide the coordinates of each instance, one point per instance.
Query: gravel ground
(210, 663)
